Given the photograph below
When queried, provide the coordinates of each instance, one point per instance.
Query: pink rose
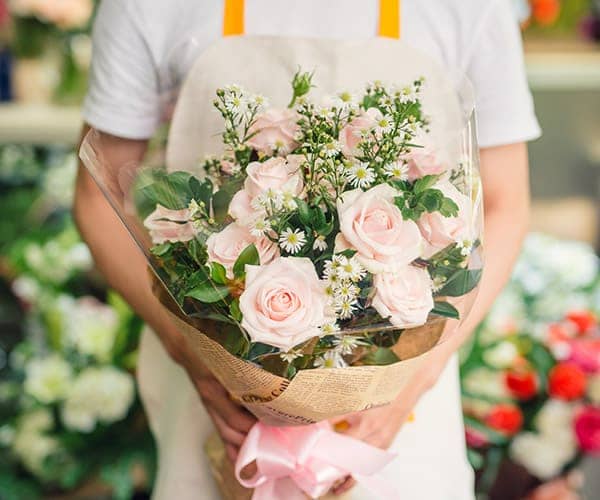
(351, 135)
(422, 162)
(274, 131)
(241, 209)
(439, 231)
(284, 303)
(276, 174)
(225, 247)
(587, 429)
(372, 225)
(169, 225)
(405, 297)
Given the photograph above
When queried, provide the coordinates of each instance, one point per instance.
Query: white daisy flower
(330, 328)
(332, 148)
(259, 227)
(360, 175)
(290, 356)
(260, 100)
(347, 343)
(351, 269)
(397, 170)
(345, 307)
(385, 124)
(345, 101)
(438, 283)
(320, 244)
(347, 291)
(331, 359)
(292, 241)
(465, 246)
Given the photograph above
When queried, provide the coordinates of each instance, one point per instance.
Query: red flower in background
(523, 384)
(587, 429)
(583, 320)
(566, 381)
(545, 12)
(505, 418)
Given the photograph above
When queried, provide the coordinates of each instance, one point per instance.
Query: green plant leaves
(446, 309)
(208, 293)
(461, 283)
(250, 257)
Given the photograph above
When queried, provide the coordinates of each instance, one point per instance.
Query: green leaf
(431, 200)
(197, 252)
(304, 212)
(250, 257)
(491, 435)
(446, 309)
(461, 283)
(201, 191)
(171, 190)
(425, 183)
(381, 357)
(449, 208)
(234, 310)
(475, 459)
(208, 293)
(218, 273)
(162, 249)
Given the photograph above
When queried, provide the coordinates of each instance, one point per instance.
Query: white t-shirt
(144, 48)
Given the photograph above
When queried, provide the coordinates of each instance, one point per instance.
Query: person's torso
(178, 34)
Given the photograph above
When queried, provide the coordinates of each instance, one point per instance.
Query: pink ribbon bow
(309, 459)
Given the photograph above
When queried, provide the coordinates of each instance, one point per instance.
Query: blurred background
(71, 424)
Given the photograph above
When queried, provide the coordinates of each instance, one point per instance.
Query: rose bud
(566, 381)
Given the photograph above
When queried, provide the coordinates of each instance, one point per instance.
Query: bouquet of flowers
(319, 253)
(530, 381)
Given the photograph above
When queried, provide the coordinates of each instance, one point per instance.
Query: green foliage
(422, 197)
(445, 309)
(248, 257)
(460, 282)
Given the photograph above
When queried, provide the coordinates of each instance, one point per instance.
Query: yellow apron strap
(389, 18)
(233, 18)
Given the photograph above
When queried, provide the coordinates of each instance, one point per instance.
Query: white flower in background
(27, 289)
(331, 359)
(502, 355)
(507, 313)
(360, 175)
(7, 435)
(48, 379)
(30, 443)
(485, 382)
(347, 343)
(90, 326)
(292, 240)
(259, 227)
(593, 389)
(58, 182)
(98, 395)
(541, 455)
(554, 303)
(555, 420)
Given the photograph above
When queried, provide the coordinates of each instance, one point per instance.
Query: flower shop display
(315, 243)
(51, 48)
(69, 409)
(530, 379)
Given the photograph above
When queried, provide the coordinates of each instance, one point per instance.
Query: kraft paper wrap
(312, 395)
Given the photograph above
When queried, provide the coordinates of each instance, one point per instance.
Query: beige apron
(431, 461)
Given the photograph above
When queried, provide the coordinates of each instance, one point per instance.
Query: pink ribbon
(309, 459)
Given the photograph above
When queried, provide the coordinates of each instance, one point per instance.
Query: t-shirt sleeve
(496, 67)
(123, 96)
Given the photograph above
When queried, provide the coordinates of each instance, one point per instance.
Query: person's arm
(505, 176)
(125, 269)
